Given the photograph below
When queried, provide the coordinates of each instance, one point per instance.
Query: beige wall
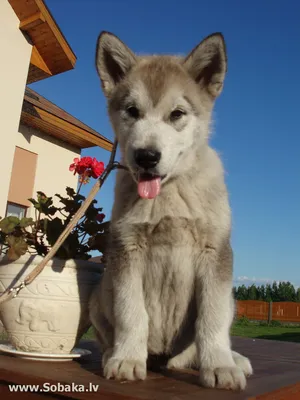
(53, 160)
(15, 58)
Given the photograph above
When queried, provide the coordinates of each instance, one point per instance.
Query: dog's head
(160, 106)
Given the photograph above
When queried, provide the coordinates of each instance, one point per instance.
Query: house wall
(15, 58)
(54, 157)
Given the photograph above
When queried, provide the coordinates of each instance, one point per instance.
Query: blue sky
(257, 131)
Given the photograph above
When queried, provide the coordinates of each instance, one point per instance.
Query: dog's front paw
(129, 369)
(106, 356)
(231, 378)
(243, 363)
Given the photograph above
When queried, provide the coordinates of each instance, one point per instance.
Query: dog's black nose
(147, 158)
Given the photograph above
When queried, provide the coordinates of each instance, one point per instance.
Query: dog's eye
(133, 112)
(176, 114)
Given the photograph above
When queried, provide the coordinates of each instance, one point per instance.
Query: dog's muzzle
(147, 158)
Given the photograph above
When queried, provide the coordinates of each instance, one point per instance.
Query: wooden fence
(263, 311)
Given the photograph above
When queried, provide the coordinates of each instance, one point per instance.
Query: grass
(89, 334)
(253, 330)
(244, 328)
(282, 333)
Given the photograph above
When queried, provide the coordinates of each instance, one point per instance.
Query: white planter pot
(50, 314)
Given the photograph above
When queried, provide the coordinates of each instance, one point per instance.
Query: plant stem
(79, 188)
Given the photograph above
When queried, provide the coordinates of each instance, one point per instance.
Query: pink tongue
(149, 188)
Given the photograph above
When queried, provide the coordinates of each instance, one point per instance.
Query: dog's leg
(243, 363)
(128, 358)
(100, 305)
(215, 314)
(188, 358)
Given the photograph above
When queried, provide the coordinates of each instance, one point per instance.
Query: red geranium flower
(74, 166)
(100, 217)
(97, 167)
(87, 167)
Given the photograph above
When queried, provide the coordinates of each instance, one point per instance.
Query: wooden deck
(276, 366)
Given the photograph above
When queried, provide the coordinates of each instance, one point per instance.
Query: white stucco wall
(53, 161)
(15, 58)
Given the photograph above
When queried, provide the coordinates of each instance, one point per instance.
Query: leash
(112, 164)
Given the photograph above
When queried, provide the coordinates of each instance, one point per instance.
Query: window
(15, 210)
(22, 177)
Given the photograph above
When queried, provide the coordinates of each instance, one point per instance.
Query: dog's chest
(173, 219)
(169, 276)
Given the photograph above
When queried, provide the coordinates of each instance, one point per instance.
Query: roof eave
(51, 54)
(57, 127)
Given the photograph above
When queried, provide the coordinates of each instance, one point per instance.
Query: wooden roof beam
(38, 61)
(32, 21)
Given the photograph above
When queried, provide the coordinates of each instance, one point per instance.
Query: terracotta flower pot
(51, 314)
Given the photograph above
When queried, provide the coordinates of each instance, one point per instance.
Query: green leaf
(91, 213)
(104, 226)
(52, 210)
(41, 249)
(70, 191)
(41, 196)
(32, 201)
(79, 197)
(54, 229)
(91, 227)
(99, 242)
(2, 238)
(8, 224)
(26, 222)
(17, 247)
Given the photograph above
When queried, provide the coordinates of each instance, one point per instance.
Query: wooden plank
(74, 130)
(24, 9)
(47, 37)
(37, 60)
(7, 394)
(35, 74)
(49, 130)
(39, 374)
(56, 31)
(36, 99)
(32, 21)
(289, 393)
(276, 366)
(61, 133)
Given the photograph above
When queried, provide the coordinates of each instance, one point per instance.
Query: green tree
(242, 293)
(291, 292)
(234, 292)
(268, 293)
(298, 295)
(261, 293)
(275, 294)
(252, 292)
(286, 292)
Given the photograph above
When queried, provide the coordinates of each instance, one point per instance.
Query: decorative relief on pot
(38, 316)
(2, 287)
(58, 289)
(50, 314)
(42, 344)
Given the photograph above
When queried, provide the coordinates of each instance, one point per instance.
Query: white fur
(167, 288)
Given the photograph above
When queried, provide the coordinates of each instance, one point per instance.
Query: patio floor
(276, 371)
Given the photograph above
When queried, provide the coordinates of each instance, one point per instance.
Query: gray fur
(167, 288)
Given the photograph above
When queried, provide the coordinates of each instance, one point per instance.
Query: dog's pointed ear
(207, 63)
(113, 61)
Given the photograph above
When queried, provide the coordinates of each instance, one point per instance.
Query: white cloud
(246, 280)
(243, 279)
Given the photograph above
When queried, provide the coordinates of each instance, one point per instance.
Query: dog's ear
(207, 63)
(113, 60)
